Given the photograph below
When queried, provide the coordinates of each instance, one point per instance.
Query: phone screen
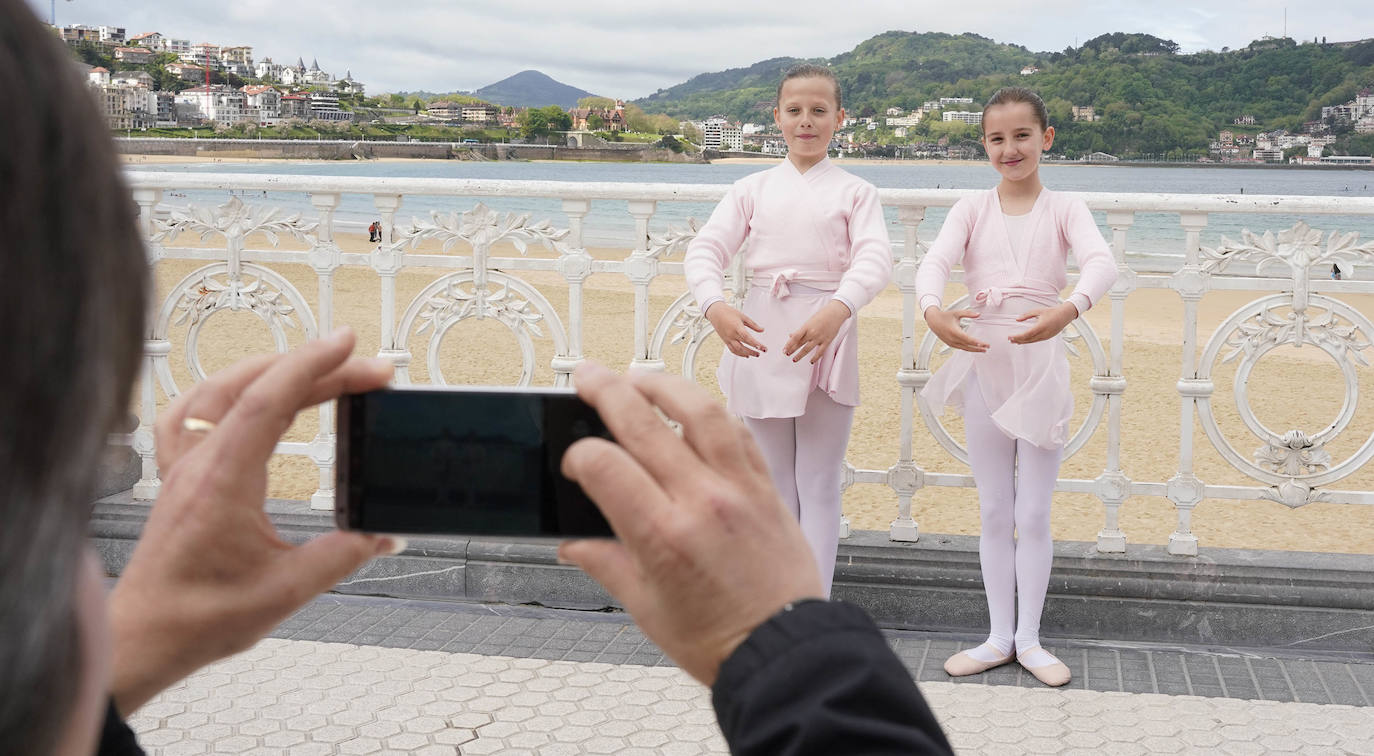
(464, 461)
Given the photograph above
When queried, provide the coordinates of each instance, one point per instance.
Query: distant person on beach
(1010, 375)
(374, 232)
(818, 251)
(1335, 272)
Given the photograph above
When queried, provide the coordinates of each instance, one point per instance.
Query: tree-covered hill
(1149, 99)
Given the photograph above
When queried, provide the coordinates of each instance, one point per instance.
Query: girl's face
(808, 115)
(1014, 140)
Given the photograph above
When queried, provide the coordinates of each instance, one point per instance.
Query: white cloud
(631, 49)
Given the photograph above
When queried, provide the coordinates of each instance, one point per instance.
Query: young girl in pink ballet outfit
(818, 251)
(1010, 375)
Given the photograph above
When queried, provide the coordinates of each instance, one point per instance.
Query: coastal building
(295, 106)
(99, 76)
(448, 111)
(479, 113)
(80, 33)
(1227, 138)
(905, 121)
(237, 60)
(1268, 154)
(266, 69)
(150, 40)
(973, 117)
(263, 104)
(324, 106)
(348, 85)
(165, 109)
(1245, 120)
(1029, 71)
(1101, 157)
(202, 55)
(186, 71)
(218, 103)
(133, 55)
(1085, 113)
(948, 101)
(132, 79)
(719, 134)
(895, 111)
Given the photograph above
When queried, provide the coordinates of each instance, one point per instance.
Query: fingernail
(562, 559)
(392, 545)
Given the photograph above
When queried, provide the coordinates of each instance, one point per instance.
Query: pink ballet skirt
(1026, 386)
(771, 384)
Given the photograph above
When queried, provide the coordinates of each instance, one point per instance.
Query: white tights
(805, 456)
(1015, 482)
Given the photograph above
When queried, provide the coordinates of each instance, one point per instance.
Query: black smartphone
(463, 461)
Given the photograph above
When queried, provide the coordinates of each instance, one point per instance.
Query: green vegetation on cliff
(1149, 99)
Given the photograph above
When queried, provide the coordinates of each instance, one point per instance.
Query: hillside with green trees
(1150, 100)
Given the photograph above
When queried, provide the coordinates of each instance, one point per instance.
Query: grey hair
(71, 309)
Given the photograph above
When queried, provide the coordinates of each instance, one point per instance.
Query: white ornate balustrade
(1290, 466)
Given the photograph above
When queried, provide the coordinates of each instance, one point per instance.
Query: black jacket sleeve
(819, 678)
(116, 739)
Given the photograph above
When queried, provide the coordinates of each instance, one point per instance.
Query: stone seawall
(310, 149)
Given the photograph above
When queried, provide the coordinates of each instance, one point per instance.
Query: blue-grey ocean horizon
(1155, 241)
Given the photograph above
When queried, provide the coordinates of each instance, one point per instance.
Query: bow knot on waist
(779, 283)
(993, 296)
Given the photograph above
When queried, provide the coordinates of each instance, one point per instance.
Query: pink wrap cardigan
(1026, 386)
(812, 237)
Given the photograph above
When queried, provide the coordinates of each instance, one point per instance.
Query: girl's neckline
(819, 164)
(1034, 203)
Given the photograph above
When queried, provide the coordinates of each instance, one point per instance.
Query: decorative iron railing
(1290, 466)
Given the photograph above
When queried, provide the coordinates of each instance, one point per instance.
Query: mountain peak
(531, 89)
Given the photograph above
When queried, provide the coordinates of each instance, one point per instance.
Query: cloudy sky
(630, 49)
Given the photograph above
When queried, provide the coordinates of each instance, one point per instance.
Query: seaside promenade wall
(1305, 491)
(320, 149)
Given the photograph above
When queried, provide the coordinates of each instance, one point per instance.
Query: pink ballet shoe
(961, 664)
(1053, 674)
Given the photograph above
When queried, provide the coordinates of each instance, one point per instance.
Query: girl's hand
(733, 328)
(817, 332)
(1049, 322)
(945, 325)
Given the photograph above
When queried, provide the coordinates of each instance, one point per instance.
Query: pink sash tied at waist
(778, 284)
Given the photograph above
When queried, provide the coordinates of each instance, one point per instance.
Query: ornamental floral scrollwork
(1295, 454)
(235, 220)
(1272, 326)
(481, 227)
(689, 325)
(1298, 247)
(457, 303)
(672, 241)
(236, 294)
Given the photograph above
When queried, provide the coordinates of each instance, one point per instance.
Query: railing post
(906, 478)
(575, 266)
(1113, 486)
(641, 268)
(1185, 490)
(387, 259)
(324, 259)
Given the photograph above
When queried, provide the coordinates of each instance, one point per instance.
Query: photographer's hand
(210, 575)
(707, 552)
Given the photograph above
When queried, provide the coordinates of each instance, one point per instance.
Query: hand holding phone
(464, 461)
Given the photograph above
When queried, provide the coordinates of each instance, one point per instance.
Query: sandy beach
(1290, 389)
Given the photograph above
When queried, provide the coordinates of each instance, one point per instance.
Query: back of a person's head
(72, 290)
